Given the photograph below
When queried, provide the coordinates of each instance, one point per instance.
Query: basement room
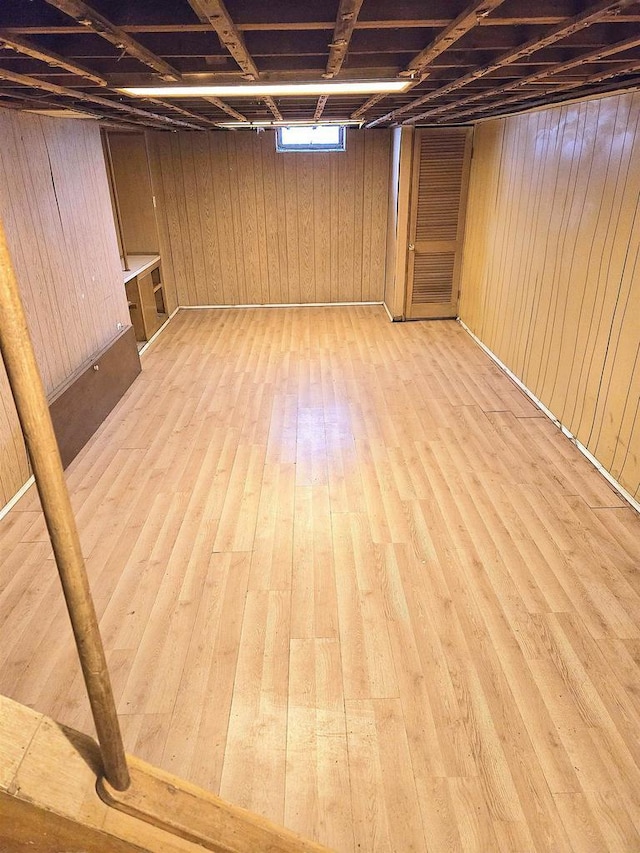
(320, 426)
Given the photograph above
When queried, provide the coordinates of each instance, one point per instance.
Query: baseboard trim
(624, 494)
(146, 346)
(280, 305)
(14, 500)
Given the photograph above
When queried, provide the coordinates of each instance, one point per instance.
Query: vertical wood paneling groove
(305, 230)
(262, 222)
(551, 274)
(276, 228)
(334, 175)
(186, 195)
(129, 156)
(56, 211)
(166, 250)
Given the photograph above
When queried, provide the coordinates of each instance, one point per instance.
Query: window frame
(321, 148)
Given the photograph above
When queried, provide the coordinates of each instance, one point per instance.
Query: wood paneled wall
(14, 468)
(240, 224)
(392, 219)
(551, 276)
(135, 196)
(56, 211)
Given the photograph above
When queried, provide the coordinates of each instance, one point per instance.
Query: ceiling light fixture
(261, 90)
(342, 122)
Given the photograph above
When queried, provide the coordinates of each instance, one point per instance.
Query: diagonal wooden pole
(33, 412)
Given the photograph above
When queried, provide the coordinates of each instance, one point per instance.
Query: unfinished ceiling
(464, 61)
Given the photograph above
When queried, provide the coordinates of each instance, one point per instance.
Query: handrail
(158, 813)
(33, 413)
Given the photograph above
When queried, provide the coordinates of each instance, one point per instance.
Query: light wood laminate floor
(349, 577)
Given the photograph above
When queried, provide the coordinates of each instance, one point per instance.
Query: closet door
(440, 177)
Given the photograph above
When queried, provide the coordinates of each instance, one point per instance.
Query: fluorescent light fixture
(263, 90)
(341, 122)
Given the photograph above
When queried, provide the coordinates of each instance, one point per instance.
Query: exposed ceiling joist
(88, 17)
(76, 95)
(182, 111)
(275, 112)
(346, 20)
(466, 20)
(28, 48)
(320, 105)
(519, 83)
(534, 16)
(519, 101)
(39, 104)
(95, 22)
(215, 13)
(52, 59)
(472, 60)
(225, 108)
(584, 19)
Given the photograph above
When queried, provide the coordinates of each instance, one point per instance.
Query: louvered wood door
(440, 177)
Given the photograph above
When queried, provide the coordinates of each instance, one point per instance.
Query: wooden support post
(33, 412)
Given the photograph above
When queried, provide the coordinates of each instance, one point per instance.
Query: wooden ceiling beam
(215, 13)
(517, 102)
(182, 111)
(23, 102)
(416, 69)
(28, 48)
(52, 59)
(320, 105)
(494, 49)
(76, 95)
(584, 59)
(96, 23)
(587, 18)
(273, 107)
(466, 20)
(346, 20)
(538, 14)
(366, 106)
(225, 108)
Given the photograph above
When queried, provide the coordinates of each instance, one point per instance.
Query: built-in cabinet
(135, 218)
(145, 294)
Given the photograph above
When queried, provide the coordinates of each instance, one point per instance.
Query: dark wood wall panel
(78, 409)
(551, 279)
(240, 224)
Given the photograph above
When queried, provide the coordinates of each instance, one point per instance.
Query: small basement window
(322, 137)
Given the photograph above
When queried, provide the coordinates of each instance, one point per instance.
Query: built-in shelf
(143, 283)
(138, 264)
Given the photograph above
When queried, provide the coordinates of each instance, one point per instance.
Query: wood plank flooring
(350, 578)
